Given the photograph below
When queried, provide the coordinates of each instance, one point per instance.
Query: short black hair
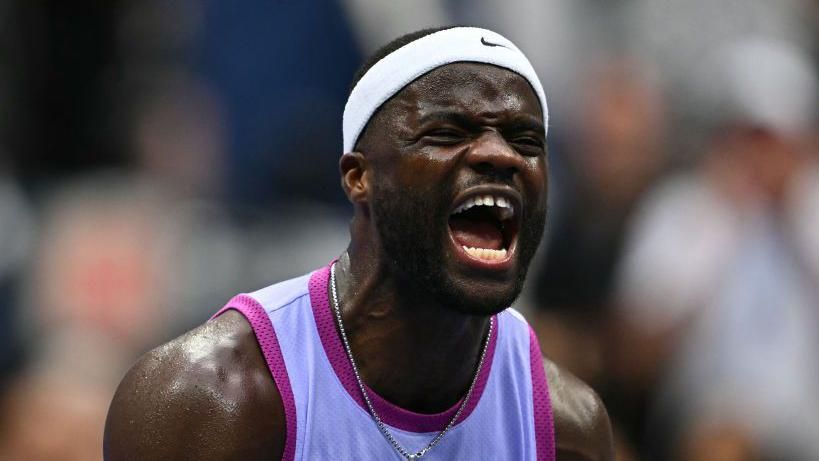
(382, 52)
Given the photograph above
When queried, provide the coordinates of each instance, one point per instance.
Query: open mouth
(484, 226)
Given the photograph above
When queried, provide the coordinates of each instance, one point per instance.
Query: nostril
(483, 167)
(493, 170)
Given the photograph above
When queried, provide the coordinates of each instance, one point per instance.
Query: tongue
(476, 233)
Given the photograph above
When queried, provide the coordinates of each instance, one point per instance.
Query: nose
(491, 154)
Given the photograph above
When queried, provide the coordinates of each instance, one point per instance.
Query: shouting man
(404, 347)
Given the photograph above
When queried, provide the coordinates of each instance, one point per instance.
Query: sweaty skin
(208, 395)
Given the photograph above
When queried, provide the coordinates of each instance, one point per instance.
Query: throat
(413, 353)
(476, 233)
(427, 372)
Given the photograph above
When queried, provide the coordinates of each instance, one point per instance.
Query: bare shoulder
(206, 395)
(582, 426)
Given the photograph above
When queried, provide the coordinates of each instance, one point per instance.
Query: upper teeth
(506, 210)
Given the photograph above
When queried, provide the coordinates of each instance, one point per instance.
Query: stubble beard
(412, 226)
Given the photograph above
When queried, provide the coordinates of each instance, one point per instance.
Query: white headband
(392, 73)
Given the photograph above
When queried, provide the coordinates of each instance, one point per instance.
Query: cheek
(537, 180)
(424, 168)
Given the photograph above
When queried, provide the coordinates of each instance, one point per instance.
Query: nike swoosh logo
(484, 42)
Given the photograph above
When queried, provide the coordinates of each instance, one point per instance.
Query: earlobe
(354, 176)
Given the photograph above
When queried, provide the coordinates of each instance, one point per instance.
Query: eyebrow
(526, 123)
(457, 118)
(521, 122)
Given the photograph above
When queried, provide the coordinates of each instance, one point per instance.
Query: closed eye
(529, 145)
(527, 135)
(443, 136)
(529, 141)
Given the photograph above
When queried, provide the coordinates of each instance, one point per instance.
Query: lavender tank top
(508, 417)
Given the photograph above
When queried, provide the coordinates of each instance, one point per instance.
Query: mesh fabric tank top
(508, 417)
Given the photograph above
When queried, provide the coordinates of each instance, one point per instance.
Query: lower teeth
(486, 253)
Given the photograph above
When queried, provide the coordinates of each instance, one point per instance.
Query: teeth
(506, 208)
(486, 253)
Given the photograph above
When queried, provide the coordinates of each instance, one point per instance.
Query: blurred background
(158, 157)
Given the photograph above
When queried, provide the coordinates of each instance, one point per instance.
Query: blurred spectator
(131, 258)
(613, 156)
(615, 153)
(48, 417)
(720, 272)
(17, 229)
(677, 35)
(719, 443)
(110, 272)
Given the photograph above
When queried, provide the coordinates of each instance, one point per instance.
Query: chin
(474, 296)
(480, 305)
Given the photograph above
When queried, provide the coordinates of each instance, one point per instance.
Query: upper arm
(582, 426)
(207, 395)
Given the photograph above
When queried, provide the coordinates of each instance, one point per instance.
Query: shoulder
(581, 423)
(206, 395)
(582, 426)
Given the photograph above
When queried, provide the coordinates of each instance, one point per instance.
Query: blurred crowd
(158, 157)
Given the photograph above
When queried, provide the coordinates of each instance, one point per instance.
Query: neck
(409, 349)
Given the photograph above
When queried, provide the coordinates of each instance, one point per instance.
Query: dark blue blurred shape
(283, 70)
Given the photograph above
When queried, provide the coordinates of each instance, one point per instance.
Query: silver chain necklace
(381, 426)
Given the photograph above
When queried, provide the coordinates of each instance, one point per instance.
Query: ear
(355, 176)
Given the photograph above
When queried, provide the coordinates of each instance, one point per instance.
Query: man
(402, 348)
(721, 268)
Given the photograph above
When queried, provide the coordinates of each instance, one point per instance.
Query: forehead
(473, 87)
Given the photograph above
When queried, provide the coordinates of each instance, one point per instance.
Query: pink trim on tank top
(390, 413)
(541, 403)
(269, 343)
